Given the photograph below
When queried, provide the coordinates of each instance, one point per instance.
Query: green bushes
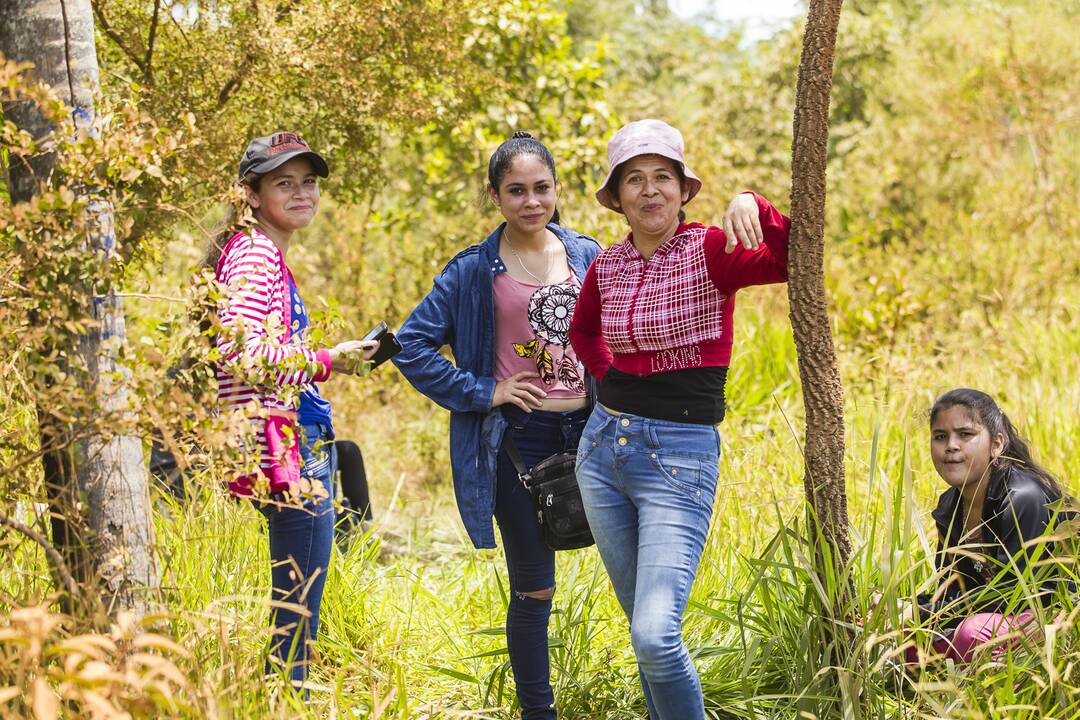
(954, 260)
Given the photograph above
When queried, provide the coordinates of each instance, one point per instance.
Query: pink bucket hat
(645, 137)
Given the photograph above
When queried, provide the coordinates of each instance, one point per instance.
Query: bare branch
(180, 28)
(103, 23)
(148, 68)
(59, 568)
(233, 84)
(150, 296)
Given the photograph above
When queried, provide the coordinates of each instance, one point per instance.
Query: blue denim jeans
(530, 564)
(300, 541)
(648, 488)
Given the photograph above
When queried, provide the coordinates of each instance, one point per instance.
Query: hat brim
(317, 162)
(603, 194)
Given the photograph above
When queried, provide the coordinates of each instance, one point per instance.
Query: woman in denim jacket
(504, 307)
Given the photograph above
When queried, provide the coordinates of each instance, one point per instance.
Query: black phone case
(388, 348)
(388, 344)
(376, 333)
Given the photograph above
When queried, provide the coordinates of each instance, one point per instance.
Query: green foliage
(954, 259)
(62, 251)
(338, 71)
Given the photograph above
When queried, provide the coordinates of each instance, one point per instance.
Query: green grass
(419, 634)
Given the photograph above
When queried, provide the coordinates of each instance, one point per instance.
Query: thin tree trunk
(97, 485)
(822, 392)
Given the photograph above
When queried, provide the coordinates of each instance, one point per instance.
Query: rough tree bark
(823, 449)
(96, 483)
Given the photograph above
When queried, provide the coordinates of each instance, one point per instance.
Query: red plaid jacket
(674, 311)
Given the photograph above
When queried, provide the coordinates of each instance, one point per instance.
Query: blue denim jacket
(460, 311)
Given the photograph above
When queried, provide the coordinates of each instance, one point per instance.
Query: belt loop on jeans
(648, 431)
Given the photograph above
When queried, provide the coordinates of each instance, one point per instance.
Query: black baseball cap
(266, 153)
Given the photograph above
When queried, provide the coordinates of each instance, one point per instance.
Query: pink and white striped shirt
(262, 367)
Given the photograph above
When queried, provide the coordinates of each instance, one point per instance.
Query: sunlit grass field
(952, 259)
(412, 617)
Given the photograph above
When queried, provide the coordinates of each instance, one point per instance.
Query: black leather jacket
(982, 573)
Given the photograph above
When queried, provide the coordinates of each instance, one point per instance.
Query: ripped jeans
(530, 564)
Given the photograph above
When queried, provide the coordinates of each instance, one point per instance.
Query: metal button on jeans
(622, 441)
(625, 422)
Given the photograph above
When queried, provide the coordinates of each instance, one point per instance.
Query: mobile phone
(376, 333)
(388, 344)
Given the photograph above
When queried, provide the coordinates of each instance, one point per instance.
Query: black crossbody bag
(553, 485)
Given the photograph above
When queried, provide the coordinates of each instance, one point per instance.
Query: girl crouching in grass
(999, 504)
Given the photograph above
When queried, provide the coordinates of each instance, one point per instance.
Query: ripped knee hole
(538, 594)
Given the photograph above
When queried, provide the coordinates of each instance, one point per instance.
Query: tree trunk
(822, 393)
(97, 482)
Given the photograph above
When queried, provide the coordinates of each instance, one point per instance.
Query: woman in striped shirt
(268, 372)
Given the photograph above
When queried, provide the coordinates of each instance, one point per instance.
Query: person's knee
(655, 645)
(975, 631)
(541, 595)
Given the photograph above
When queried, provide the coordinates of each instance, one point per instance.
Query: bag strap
(515, 458)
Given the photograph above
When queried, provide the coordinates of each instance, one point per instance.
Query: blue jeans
(530, 564)
(300, 541)
(648, 488)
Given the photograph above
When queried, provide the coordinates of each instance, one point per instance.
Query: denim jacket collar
(574, 257)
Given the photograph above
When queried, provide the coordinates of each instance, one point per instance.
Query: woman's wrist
(326, 364)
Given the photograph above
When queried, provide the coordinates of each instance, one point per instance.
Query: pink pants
(961, 644)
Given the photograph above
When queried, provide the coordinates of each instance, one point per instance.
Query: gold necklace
(547, 271)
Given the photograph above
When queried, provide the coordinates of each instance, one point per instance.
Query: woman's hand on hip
(517, 390)
(742, 223)
(346, 356)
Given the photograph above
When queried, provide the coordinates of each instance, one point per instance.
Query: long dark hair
(520, 143)
(1016, 452)
(237, 217)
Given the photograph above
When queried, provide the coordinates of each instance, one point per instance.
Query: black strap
(515, 458)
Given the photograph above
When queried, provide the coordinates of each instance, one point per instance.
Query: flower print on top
(532, 324)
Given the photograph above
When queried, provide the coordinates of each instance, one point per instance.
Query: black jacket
(982, 573)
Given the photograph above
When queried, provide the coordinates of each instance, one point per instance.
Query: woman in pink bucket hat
(653, 324)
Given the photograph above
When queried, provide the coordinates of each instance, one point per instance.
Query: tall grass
(415, 630)
(413, 616)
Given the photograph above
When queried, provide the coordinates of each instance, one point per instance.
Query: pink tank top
(531, 333)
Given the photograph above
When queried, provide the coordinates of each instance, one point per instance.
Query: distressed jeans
(648, 488)
(530, 564)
